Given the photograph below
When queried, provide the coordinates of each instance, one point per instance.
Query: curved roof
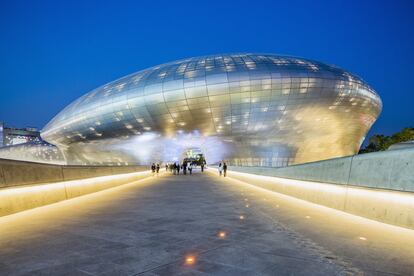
(162, 90)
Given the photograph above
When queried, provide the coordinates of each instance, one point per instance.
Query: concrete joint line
(347, 184)
(63, 178)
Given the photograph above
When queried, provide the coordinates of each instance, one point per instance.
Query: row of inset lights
(192, 258)
(242, 217)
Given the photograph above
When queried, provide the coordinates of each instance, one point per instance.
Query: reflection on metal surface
(250, 109)
(39, 152)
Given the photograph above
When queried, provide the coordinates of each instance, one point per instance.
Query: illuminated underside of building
(248, 109)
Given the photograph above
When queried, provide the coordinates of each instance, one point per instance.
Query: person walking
(190, 168)
(224, 169)
(220, 169)
(178, 168)
(153, 168)
(158, 168)
(185, 167)
(203, 164)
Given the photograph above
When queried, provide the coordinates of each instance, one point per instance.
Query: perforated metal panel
(250, 109)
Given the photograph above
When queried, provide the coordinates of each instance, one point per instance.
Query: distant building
(25, 144)
(13, 136)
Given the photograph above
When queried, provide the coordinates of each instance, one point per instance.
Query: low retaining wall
(20, 198)
(391, 170)
(27, 185)
(17, 173)
(378, 186)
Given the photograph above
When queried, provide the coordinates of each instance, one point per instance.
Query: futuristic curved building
(248, 109)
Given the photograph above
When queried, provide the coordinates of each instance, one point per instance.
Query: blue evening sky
(52, 52)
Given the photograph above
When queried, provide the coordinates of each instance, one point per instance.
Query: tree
(381, 142)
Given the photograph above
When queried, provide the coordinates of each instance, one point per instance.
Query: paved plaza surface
(198, 225)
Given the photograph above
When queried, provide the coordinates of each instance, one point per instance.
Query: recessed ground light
(241, 217)
(190, 260)
(221, 234)
(308, 217)
(363, 238)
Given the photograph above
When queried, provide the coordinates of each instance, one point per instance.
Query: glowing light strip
(392, 208)
(17, 199)
(405, 198)
(368, 225)
(72, 183)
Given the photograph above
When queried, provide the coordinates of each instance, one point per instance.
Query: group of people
(155, 168)
(175, 167)
(222, 168)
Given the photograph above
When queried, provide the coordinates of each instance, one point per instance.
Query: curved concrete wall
(16, 173)
(20, 198)
(27, 185)
(378, 186)
(391, 170)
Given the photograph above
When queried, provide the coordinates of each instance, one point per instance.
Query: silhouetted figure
(178, 168)
(220, 169)
(153, 168)
(190, 168)
(224, 169)
(185, 168)
(158, 168)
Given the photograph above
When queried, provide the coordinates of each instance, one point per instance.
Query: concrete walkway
(183, 225)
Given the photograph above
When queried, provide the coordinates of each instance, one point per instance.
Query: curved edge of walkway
(17, 199)
(390, 207)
